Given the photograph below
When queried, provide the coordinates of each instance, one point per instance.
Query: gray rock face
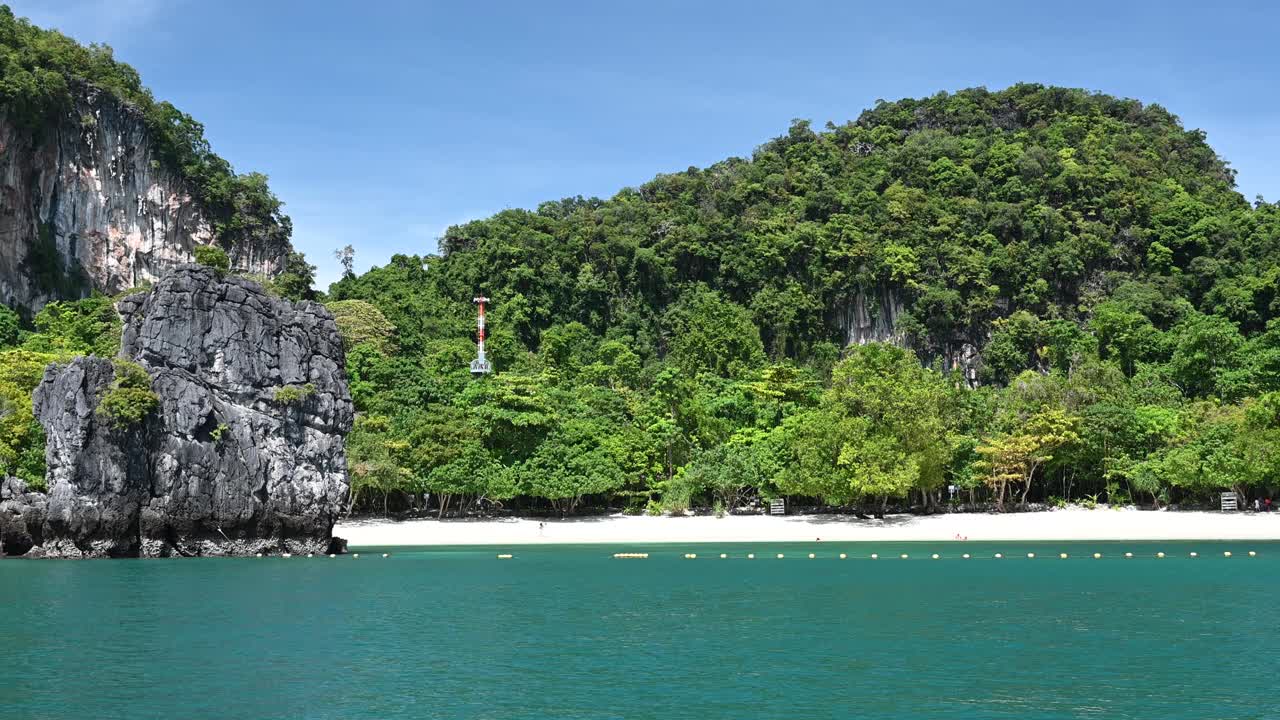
(21, 517)
(87, 204)
(223, 467)
(876, 316)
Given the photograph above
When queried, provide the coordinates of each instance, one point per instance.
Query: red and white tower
(480, 366)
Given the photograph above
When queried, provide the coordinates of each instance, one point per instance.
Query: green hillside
(1085, 300)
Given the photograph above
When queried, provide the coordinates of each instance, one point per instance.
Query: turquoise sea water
(569, 632)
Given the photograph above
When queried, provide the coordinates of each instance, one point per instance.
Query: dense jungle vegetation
(1087, 312)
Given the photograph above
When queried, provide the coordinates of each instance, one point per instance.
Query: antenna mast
(480, 366)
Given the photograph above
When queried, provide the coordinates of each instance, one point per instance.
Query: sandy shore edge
(1068, 524)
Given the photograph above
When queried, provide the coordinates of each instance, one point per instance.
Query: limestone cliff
(876, 316)
(86, 203)
(245, 453)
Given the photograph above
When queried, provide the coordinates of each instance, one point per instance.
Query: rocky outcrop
(876, 316)
(87, 204)
(21, 517)
(873, 318)
(245, 451)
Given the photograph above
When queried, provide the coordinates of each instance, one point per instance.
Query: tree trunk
(1031, 474)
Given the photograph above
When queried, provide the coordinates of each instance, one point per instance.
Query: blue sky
(383, 122)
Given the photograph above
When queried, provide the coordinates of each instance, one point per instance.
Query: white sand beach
(1066, 524)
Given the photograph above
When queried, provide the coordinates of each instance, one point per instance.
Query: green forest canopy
(687, 340)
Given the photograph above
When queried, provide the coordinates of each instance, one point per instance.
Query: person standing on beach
(1266, 504)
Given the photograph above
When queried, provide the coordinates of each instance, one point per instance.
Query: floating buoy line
(903, 556)
(1128, 555)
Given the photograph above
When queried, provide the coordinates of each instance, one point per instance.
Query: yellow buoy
(998, 556)
(751, 556)
(843, 556)
(332, 555)
(904, 556)
(874, 556)
(1252, 553)
(503, 556)
(259, 554)
(285, 555)
(1128, 554)
(1193, 555)
(965, 556)
(1159, 554)
(1031, 555)
(1062, 555)
(1226, 554)
(812, 556)
(1097, 556)
(356, 556)
(723, 556)
(385, 555)
(935, 556)
(779, 556)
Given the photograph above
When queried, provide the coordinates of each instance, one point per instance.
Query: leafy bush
(129, 399)
(293, 394)
(21, 437)
(213, 256)
(81, 327)
(361, 322)
(218, 432)
(10, 327)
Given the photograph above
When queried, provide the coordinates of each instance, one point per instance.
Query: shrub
(130, 399)
(293, 394)
(360, 322)
(10, 327)
(213, 256)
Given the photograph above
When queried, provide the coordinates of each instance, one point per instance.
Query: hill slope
(712, 334)
(925, 220)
